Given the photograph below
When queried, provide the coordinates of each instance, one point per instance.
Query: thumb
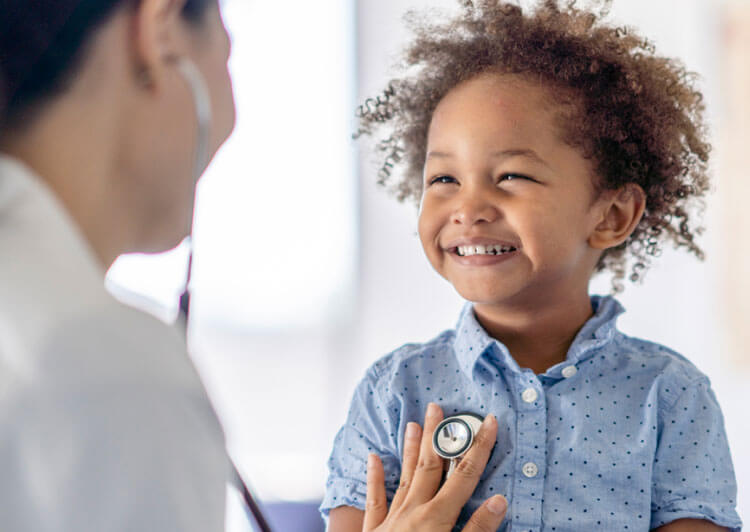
(489, 516)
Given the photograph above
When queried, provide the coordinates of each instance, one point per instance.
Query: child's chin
(494, 295)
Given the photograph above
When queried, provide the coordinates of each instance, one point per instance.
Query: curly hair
(637, 116)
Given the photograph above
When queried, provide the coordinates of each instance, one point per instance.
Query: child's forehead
(500, 82)
(505, 103)
(512, 93)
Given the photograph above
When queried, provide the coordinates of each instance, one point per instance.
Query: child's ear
(622, 209)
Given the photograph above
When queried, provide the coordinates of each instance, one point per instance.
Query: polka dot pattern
(631, 439)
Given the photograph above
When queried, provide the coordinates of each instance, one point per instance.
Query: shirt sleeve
(693, 476)
(371, 427)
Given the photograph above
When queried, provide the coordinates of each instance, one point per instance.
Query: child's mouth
(468, 251)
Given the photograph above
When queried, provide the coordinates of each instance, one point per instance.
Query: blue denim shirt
(623, 435)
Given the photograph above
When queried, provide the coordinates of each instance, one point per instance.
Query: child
(545, 146)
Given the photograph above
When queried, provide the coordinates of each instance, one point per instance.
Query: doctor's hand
(420, 503)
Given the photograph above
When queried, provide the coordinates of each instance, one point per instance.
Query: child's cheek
(428, 227)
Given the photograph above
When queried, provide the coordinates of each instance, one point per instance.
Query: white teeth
(467, 251)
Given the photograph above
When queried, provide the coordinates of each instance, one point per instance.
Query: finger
(487, 518)
(412, 438)
(464, 479)
(376, 504)
(429, 469)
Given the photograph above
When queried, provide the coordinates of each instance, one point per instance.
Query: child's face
(499, 177)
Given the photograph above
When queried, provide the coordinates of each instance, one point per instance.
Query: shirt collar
(472, 341)
(55, 256)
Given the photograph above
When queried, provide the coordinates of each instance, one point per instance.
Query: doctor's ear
(622, 210)
(157, 39)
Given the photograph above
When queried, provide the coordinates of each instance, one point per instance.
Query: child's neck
(538, 337)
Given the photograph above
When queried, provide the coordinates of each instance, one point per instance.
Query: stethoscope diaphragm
(454, 436)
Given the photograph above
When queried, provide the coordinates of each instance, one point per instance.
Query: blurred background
(305, 272)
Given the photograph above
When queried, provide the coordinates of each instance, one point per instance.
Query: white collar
(26, 199)
(48, 271)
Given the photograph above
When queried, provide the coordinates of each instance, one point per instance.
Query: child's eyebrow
(505, 154)
(521, 152)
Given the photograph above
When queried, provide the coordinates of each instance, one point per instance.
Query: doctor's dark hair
(42, 44)
(636, 115)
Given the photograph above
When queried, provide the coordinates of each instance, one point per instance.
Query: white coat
(104, 423)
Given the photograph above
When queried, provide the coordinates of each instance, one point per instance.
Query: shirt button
(569, 371)
(530, 469)
(529, 395)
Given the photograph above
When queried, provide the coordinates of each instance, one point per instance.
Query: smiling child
(545, 146)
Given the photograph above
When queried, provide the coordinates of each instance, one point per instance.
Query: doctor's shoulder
(76, 416)
(111, 354)
(120, 344)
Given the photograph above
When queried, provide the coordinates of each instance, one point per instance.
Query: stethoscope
(454, 436)
(202, 102)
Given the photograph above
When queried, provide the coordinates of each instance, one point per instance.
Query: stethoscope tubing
(202, 102)
(247, 496)
(253, 506)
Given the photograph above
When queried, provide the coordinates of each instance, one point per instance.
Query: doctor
(104, 424)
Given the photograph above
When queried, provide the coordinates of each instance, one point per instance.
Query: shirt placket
(530, 464)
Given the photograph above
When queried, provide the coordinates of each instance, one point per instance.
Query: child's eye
(514, 177)
(445, 179)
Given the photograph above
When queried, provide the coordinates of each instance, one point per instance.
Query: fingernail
(432, 409)
(411, 431)
(497, 505)
(370, 460)
(488, 420)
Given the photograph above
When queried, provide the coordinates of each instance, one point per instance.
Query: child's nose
(473, 209)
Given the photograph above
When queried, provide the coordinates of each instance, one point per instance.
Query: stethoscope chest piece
(454, 436)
